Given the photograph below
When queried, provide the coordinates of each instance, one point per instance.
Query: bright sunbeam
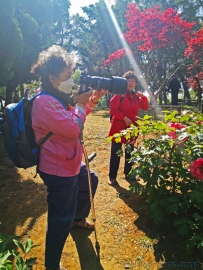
(131, 58)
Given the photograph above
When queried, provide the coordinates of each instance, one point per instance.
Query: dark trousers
(115, 160)
(68, 199)
(174, 97)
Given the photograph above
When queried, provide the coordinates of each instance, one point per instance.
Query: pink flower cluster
(196, 169)
(177, 126)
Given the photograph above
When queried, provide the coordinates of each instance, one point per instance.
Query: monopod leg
(97, 246)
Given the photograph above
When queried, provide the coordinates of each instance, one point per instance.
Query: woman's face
(63, 76)
(131, 84)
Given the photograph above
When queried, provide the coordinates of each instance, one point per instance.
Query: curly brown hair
(52, 62)
(130, 75)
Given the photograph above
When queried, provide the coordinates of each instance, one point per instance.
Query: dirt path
(127, 237)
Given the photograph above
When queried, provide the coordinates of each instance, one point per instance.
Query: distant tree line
(28, 27)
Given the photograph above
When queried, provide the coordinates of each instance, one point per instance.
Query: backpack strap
(50, 133)
(48, 94)
(121, 99)
(45, 138)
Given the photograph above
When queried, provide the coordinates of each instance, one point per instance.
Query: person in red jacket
(124, 111)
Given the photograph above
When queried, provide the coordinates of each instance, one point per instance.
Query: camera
(115, 85)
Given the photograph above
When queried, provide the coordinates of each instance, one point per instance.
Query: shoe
(127, 177)
(112, 181)
(84, 223)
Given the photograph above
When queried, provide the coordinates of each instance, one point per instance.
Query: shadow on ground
(89, 255)
(169, 248)
(22, 200)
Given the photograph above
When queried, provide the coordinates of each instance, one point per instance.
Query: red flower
(172, 135)
(177, 126)
(196, 169)
(199, 122)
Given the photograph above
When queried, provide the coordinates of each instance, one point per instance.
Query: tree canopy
(161, 35)
(27, 27)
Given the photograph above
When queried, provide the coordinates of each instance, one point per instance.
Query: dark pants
(174, 97)
(115, 160)
(68, 199)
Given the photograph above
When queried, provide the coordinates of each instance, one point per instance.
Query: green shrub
(170, 162)
(8, 255)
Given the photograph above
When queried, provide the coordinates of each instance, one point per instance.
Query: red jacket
(128, 106)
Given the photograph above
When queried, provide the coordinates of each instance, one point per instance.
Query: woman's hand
(127, 121)
(84, 97)
(98, 94)
(139, 94)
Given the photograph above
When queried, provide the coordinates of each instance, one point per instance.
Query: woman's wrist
(91, 104)
(80, 105)
(92, 101)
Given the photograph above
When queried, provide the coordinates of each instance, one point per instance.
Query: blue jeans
(68, 199)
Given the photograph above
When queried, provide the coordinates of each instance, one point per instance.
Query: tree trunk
(21, 90)
(165, 96)
(185, 87)
(160, 98)
(9, 92)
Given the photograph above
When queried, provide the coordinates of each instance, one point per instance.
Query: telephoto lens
(115, 85)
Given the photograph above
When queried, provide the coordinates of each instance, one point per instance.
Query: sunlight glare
(132, 59)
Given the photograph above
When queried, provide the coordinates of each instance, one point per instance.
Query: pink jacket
(61, 154)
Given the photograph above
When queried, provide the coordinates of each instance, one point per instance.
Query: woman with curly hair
(60, 161)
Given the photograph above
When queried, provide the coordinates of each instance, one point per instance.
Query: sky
(77, 4)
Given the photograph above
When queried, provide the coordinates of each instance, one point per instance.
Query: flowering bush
(196, 169)
(170, 162)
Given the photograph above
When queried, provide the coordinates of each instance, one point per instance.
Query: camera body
(115, 85)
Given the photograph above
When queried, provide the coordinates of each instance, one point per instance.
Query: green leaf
(172, 208)
(197, 237)
(198, 217)
(109, 139)
(5, 240)
(147, 117)
(20, 266)
(18, 257)
(159, 218)
(153, 206)
(4, 257)
(18, 244)
(183, 230)
(173, 199)
(157, 215)
(28, 245)
(128, 148)
(164, 202)
(118, 139)
(160, 125)
(191, 223)
(30, 261)
(155, 175)
(178, 222)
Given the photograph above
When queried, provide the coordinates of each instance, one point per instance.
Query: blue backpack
(18, 134)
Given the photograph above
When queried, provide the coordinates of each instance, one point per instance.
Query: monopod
(87, 160)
